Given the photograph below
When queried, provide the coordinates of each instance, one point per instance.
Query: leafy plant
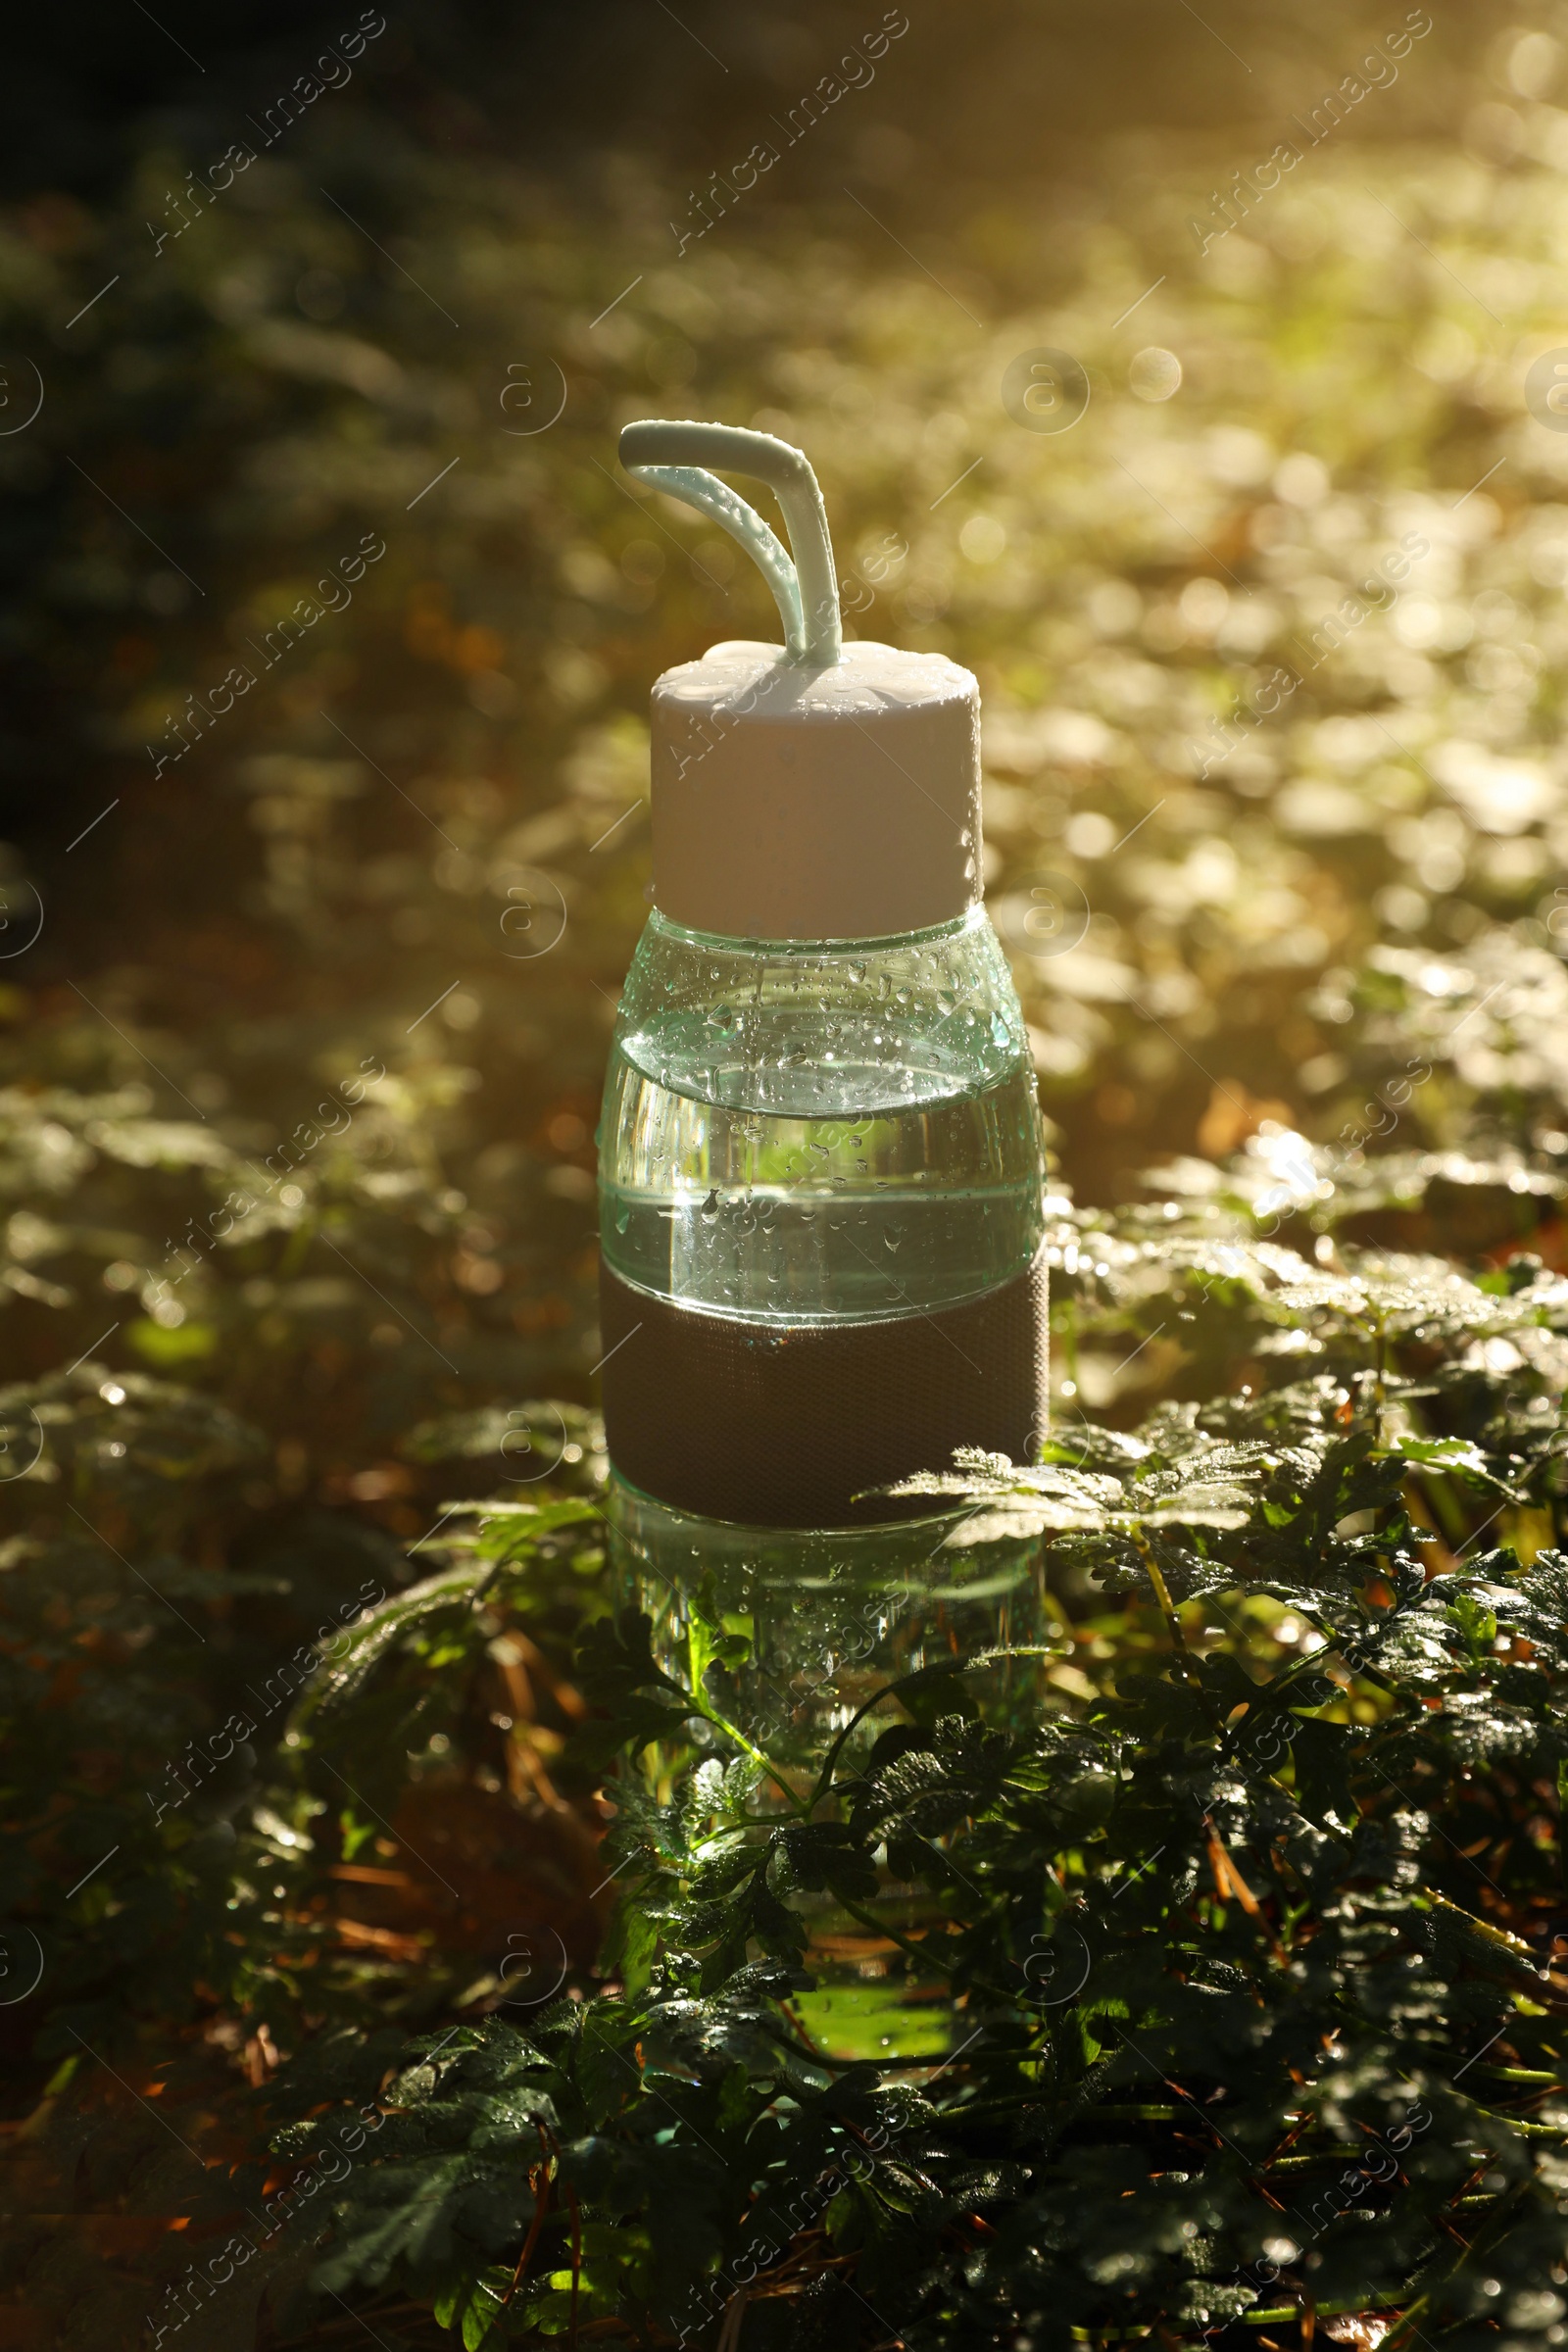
(1249, 1950)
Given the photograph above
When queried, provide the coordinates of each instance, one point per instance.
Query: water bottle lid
(800, 803)
(809, 790)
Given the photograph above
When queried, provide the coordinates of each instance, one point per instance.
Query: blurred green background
(353, 954)
(362, 331)
(1270, 641)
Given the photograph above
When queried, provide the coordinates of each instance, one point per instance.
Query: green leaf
(1477, 1625)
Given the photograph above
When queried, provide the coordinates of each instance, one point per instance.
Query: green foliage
(1249, 1952)
(312, 1668)
(1245, 1955)
(1246, 1938)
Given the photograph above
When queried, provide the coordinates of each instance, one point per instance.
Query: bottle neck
(974, 920)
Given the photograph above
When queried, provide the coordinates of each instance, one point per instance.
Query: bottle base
(823, 1619)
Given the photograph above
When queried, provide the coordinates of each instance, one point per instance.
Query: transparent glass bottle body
(810, 1135)
(803, 1133)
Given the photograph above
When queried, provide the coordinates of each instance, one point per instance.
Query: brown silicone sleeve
(785, 1425)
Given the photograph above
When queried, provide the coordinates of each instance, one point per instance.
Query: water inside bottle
(785, 1215)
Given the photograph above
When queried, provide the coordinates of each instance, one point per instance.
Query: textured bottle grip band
(784, 1426)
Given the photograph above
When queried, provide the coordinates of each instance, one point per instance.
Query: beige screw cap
(813, 790)
(795, 803)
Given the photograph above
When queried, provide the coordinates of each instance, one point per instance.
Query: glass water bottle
(821, 1161)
